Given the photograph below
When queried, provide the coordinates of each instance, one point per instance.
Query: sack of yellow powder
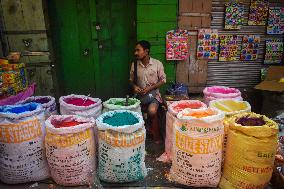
(250, 152)
(229, 107)
(197, 147)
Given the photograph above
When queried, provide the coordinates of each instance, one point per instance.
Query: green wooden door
(93, 42)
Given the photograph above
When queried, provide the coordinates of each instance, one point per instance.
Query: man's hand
(146, 90)
(137, 90)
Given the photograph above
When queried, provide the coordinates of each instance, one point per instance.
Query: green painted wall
(154, 19)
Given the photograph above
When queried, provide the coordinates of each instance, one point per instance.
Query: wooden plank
(23, 15)
(154, 29)
(33, 14)
(42, 76)
(154, 13)
(182, 72)
(36, 59)
(37, 42)
(189, 22)
(194, 6)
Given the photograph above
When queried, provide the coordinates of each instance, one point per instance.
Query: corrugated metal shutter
(238, 74)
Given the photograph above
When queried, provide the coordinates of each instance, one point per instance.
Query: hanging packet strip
(258, 12)
(177, 45)
(234, 15)
(275, 23)
(250, 47)
(228, 48)
(273, 51)
(207, 44)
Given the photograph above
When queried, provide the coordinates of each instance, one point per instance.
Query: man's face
(140, 53)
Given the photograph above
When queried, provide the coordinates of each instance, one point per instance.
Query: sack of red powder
(81, 105)
(70, 149)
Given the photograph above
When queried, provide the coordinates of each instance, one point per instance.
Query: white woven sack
(197, 152)
(49, 107)
(110, 107)
(93, 110)
(122, 129)
(22, 152)
(70, 151)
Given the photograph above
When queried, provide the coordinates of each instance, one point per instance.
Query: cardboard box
(195, 6)
(271, 82)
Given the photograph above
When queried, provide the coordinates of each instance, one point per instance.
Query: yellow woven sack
(229, 107)
(250, 153)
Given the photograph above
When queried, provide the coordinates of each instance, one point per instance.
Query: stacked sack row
(223, 145)
(36, 143)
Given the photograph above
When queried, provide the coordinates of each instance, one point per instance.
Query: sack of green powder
(48, 103)
(133, 104)
(22, 151)
(121, 146)
(80, 105)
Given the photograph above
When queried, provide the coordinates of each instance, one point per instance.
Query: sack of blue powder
(22, 150)
(47, 102)
(121, 146)
(131, 104)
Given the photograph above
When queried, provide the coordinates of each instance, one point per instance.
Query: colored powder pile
(41, 100)
(222, 90)
(200, 114)
(180, 107)
(230, 105)
(19, 109)
(60, 124)
(123, 102)
(251, 121)
(79, 101)
(120, 119)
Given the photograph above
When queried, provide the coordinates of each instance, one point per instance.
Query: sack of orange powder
(197, 152)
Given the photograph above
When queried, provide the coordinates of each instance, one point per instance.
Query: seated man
(146, 77)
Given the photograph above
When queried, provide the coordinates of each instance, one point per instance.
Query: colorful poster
(258, 12)
(250, 45)
(275, 23)
(207, 44)
(234, 15)
(273, 51)
(177, 47)
(228, 48)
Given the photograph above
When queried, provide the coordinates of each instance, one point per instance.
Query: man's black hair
(145, 44)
